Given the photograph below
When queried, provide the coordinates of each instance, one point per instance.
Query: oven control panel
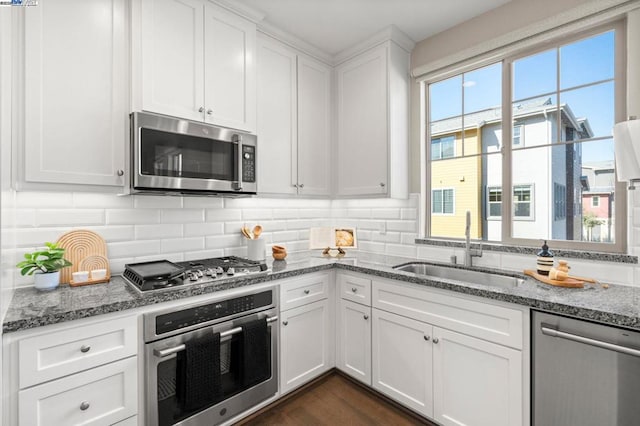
(248, 163)
(213, 311)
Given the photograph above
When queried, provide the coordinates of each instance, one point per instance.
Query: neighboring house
(598, 188)
(475, 183)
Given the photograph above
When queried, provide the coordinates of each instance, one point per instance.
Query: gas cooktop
(163, 274)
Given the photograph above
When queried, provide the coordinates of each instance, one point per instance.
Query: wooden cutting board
(569, 282)
(86, 250)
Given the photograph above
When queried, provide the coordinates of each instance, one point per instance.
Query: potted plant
(46, 265)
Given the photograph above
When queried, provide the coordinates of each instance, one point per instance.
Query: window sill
(571, 254)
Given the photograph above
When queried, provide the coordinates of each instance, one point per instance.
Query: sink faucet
(469, 253)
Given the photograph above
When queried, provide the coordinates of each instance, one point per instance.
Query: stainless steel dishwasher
(583, 373)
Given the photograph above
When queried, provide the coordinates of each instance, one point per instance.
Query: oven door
(170, 154)
(163, 407)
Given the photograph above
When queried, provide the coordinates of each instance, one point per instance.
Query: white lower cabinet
(475, 382)
(100, 396)
(354, 340)
(402, 360)
(307, 347)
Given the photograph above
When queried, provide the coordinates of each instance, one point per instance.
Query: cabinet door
(75, 99)
(229, 69)
(475, 382)
(100, 396)
(305, 344)
(362, 148)
(314, 100)
(402, 360)
(354, 340)
(277, 118)
(172, 58)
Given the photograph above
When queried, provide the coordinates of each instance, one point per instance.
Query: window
(595, 201)
(442, 201)
(443, 148)
(517, 135)
(559, 201)
(494, 202)
(568, 134)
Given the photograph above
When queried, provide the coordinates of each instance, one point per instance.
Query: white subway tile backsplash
(235, 227)
(157, 202)
(133, 248)
(225, 241)
(371, 246)
(179, 245)
(90, 200)
(132, 216)
(257, 214)
(24, 218)
(202, 203)
(385, 213)
(203, 229)
(203, 254)
(389, 237)
(283, 237)
(401, 225)
(36, 237)
(182, 216)
(286, 213)
(359, 213)
(408, 238)
(154, 232)
(75, 217)
(400, 250)
(115, 233)
(25, 199)
(409, 214)
(223, 215)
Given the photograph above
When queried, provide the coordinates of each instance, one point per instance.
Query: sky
(584, 62)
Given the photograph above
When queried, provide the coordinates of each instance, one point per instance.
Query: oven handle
(170, 351)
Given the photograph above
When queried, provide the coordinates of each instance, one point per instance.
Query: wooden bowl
(278, 249)
(279, 255)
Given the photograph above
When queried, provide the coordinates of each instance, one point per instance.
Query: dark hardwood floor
(334, 400)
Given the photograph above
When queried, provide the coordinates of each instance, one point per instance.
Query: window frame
(507, 57)
(440, 139)
(489, 202)
(595, 201)
(532, 205)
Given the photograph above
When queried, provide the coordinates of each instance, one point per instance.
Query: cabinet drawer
(474, 318)
(50, 356)
(101, 396)
(303, 290)
(356, 289)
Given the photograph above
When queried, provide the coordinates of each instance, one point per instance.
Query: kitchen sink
(457, 274)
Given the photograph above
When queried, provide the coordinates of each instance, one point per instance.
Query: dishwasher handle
(586, 340)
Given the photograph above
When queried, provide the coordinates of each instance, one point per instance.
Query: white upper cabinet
(75, 93)
(372, 123)
(314, 124)
(197, 62)
(294, 95)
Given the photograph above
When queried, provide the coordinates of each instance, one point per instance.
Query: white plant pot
(47, 281)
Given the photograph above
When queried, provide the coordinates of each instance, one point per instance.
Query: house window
(595, 201)
(494, 202)
(559, 201)
(550, 100)
(443, 148)
(442, 201)
(517, 135)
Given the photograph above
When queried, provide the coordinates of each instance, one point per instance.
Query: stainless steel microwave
(172, 155)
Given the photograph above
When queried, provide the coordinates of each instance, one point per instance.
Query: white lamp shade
(626, 140)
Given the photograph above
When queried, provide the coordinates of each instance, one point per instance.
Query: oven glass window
(183, 156)
(170, 404)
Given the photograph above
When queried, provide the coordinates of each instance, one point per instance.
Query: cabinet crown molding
(243, 10)
(391, 33)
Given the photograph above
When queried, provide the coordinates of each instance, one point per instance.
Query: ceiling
(334, 25)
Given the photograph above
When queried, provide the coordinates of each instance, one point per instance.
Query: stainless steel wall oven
(189, 382)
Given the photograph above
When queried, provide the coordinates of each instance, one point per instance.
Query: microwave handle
(237, 184)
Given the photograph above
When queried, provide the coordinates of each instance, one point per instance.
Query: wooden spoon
(257, 230)
(246, 233)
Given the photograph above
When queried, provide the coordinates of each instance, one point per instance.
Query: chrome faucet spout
(469, 253)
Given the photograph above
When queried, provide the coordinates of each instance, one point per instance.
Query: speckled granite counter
(616, 305)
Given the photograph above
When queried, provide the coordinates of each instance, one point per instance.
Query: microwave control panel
(248, 163)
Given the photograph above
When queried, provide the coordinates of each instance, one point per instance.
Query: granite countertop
(30, 308)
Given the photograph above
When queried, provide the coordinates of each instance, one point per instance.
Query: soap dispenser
(544, 260)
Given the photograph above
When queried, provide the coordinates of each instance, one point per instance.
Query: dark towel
(198, 372)
(256, 352)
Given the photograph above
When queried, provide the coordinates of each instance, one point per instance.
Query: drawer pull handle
(285, 322)
(427, 338)
(353, 289)
(84, 406)
(366, 317)
(306, 291)
(435, 340)
(85, 348)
